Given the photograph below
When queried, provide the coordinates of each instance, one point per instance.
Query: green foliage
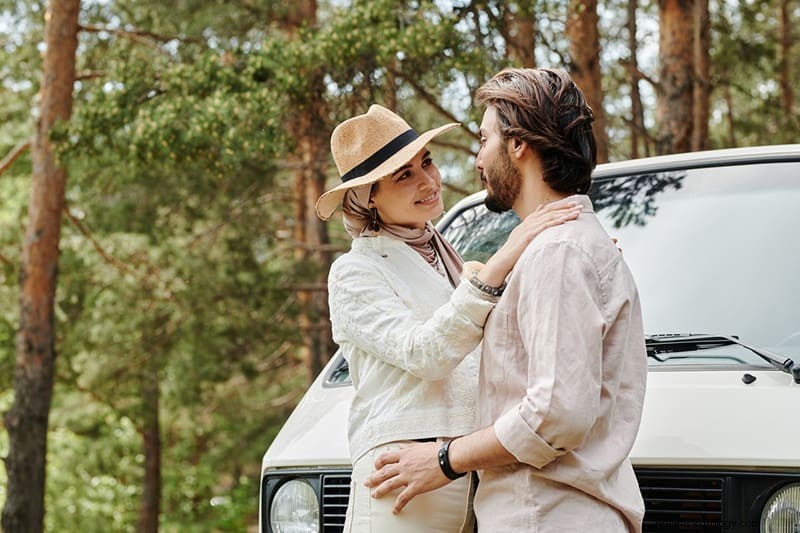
(94, 468)
(175, 262)
(744, 59)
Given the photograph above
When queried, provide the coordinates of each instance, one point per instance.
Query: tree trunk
(390, 96)
(300, 237)
(310, 233)
(519, 32)
(26, 421)
(638, 133)
(311, 239)
(584, 51)
(784, 58)
(702, 76)
(318, 240)
(729, 115)
(674, 103)
(150, 505)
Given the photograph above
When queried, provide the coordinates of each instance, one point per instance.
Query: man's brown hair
(546, 110)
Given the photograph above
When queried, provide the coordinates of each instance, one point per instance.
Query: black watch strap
(444, 461)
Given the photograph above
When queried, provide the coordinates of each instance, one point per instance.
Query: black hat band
(379, 157)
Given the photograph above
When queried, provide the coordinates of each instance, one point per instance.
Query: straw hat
(369, 147)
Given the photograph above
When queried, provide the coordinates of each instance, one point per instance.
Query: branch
(639, 129)
(453, 146)
(138, 35)
(425, 95)
(267, 363)
(90, 75)
(331, 247)
(86, 233)
(456, 189)
(149, 281)
(290, 398)
(638, 74)
(150, 95)
(74, 374)
(309, 287)
(5, 260)
(499, 23)
(12, 156)
(235, 213)
(562, 59)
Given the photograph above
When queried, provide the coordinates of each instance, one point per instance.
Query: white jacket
(412, 343)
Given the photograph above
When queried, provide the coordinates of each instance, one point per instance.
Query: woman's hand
(500, 264)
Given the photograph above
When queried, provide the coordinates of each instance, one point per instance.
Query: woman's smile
(430, 200)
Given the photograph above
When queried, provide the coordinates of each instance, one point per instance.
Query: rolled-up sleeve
(367, 312)
(561, 320)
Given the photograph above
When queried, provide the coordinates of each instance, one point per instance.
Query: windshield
(713, 251)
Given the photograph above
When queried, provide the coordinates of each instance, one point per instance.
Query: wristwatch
(483, 287)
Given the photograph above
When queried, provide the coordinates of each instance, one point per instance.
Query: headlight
(295, 508)
(782, 512)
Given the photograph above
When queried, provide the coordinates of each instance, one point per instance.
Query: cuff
(473, 303)
(522, 442)
(466, 273)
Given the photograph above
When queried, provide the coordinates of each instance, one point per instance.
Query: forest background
(159, 165)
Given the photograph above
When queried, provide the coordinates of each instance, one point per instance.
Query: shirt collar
(581, 199)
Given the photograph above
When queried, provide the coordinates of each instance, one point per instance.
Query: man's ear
(516, 147)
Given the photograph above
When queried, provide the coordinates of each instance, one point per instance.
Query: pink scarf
(427, 242)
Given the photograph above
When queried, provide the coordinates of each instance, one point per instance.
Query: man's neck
(534, 191)
(533, 194)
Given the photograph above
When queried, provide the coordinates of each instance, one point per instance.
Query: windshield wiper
(667, 343)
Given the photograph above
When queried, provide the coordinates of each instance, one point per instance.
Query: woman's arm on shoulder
(367, 312)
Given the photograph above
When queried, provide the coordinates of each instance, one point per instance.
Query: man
(563, 364)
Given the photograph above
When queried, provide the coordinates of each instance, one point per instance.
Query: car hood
(711, 417)
(692, 417)
(315, 434)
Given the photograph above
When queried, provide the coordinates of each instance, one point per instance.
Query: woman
(407, 314)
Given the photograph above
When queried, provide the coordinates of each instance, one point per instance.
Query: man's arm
(562, 323)
(416, 468)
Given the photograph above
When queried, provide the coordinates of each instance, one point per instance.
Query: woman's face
(411, 196)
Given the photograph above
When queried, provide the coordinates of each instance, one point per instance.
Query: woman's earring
(374, 224)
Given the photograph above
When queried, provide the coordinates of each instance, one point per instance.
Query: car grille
(673, 503)
(335, 495)
(681, 502)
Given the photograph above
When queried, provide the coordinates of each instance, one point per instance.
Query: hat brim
(327, 203)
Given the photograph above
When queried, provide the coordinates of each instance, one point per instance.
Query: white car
(713, 240)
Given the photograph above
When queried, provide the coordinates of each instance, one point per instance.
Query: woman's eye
(403, 176)
(428, 161)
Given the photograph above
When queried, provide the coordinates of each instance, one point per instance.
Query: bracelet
(487, 289)
(444, 462)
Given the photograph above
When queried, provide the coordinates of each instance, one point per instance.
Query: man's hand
(415, 467)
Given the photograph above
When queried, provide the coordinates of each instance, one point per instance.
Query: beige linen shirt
(562, 379)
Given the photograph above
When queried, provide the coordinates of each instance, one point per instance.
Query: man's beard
(506, 181)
